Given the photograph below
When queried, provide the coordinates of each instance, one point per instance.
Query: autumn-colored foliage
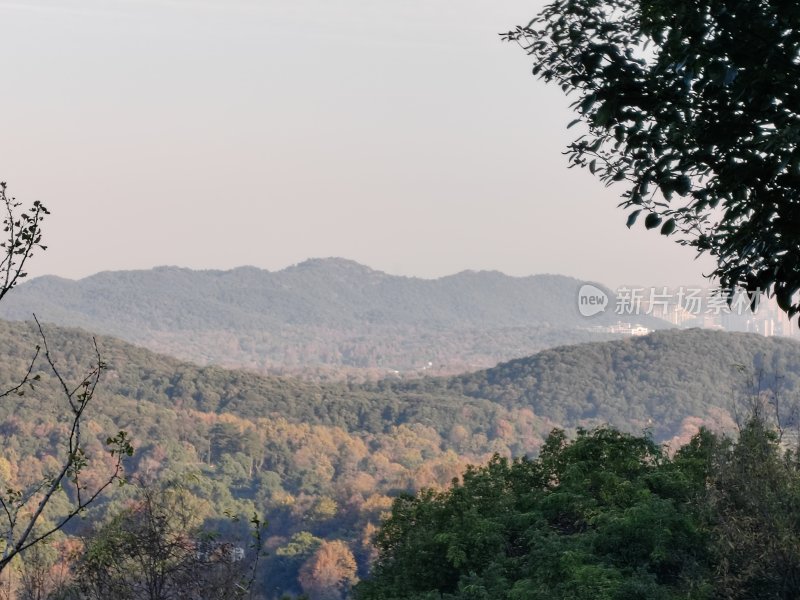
(330, 572)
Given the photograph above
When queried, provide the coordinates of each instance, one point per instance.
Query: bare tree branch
(20, 536)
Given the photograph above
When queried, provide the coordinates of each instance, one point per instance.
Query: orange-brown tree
(330, 572)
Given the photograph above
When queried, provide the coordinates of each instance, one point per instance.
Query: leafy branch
(23, 234)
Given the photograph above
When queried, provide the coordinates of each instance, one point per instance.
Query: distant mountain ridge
(321, 311)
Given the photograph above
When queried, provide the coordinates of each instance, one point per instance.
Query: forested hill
(135, 375)
(322, 461)
(319, 312)
(654, 381)
(651, 381)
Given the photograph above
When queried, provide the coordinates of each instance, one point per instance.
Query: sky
(216, 133)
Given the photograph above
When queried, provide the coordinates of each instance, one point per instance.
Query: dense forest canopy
(606, 516)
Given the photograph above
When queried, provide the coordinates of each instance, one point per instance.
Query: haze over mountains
(322, 312)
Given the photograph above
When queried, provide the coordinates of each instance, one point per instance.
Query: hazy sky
(217, 133)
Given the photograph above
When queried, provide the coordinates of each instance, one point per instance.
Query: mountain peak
(333, 263)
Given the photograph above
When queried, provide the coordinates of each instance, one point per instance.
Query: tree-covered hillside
(319, 312)
(322, 462)
(652, 381)
(319, 463)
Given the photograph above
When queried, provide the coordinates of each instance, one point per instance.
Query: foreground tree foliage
(606, 516)
(755, 509)
(695, 107)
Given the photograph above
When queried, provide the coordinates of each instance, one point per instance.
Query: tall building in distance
(707, 309)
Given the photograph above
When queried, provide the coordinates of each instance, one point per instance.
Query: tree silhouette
(695, 108)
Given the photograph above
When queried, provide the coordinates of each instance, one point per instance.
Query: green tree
(695, 107)
(754, 508)
(607, 515)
